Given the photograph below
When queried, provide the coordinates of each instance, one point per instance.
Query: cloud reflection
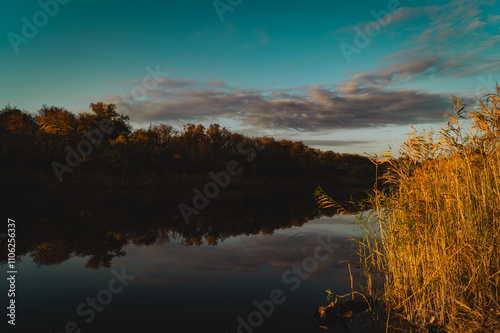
(257, 255)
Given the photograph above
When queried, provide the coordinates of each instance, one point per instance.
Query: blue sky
(300, 70)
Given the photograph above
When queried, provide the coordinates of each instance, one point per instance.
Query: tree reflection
(100, 228)
(51, 253)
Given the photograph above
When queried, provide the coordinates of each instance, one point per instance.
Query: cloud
(449, 40)
(398, 71)
(460, 38)
(241, 256)
(388, 22)
(175, 83)
(455, 35)
(329, 143)
(493, 20)
(366, 100)
(214, 82)
(418, 69)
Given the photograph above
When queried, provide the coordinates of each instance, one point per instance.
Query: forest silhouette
(100, 226)
(99, 149)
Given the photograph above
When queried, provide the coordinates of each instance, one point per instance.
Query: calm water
(251, 265)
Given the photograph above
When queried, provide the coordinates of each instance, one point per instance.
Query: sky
(344, 76)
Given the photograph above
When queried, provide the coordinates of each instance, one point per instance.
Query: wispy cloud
(461, 35)
(455, 39)
(366, 100)
(329, 143)
(184, 265)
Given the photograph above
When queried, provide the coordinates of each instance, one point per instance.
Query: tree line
(56, 147)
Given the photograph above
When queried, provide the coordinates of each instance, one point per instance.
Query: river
(122, 264)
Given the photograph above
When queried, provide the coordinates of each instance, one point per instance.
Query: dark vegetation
(99, 226)
(127, 189)
(34, 148)
(432, 237)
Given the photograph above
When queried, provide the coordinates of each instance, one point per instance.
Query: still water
(114, 265)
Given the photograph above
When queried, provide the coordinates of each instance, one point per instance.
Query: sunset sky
(338, 75)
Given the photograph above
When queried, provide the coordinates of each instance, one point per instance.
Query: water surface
(259, 268)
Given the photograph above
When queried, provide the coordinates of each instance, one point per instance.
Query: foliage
(155, 155)
(439, 222)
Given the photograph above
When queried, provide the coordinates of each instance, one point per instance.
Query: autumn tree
(58, 128)
(18, 145)
(101, 111)
(161, 135)
(17, 122)
(57, 121)
(146, 155)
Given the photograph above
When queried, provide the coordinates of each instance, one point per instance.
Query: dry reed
(439, 220)
(431, 240)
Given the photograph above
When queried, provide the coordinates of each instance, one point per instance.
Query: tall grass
(439, 221)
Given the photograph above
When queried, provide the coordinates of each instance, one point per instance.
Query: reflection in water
(100, 230)
(203, 276)
(251, 256)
